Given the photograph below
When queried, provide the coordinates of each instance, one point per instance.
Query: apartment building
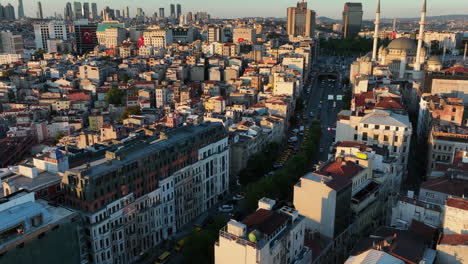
(157, 37)
(51, 30)
(325, 202)
(383, 128)
(33, 230)
(243, 34)
(142, 190)
(267, 236)
(11, 43)
(438, 109)
(111, 37)
(444, 142)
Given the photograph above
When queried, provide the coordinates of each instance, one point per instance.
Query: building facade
(131, 198)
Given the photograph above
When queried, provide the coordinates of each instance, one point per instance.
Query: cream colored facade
(158, 37)
(452, 254)
(240, 244)
(455, 219)
(317, 202)
(111, 37)
(245, 34)
(380, 127)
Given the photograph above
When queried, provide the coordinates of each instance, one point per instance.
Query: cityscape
(219, 132)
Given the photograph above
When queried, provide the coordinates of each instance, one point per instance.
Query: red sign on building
(86, 36)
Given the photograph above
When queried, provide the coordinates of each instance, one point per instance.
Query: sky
(264, 8)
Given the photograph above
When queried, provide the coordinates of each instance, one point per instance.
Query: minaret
(417, 65)
(376, 32)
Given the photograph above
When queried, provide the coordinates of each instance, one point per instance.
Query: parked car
(226, 208)
(238, 197)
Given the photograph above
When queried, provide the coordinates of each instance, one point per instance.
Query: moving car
(163, 258)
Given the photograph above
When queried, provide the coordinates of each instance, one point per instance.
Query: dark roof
(455, 187)
(352, 144)
(406, 245)
(427, 232)
(265, 221)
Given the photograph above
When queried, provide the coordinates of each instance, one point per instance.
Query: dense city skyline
(233, 9)
(233, 132)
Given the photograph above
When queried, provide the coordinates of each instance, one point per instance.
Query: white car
(226, 208)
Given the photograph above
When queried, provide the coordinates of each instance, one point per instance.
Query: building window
(387, 127)
(364, 136)
(396, 139)
(366, 125)
(377, 126)
(376, 137)
(385, 138)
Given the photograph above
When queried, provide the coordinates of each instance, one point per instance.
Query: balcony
(365, 196)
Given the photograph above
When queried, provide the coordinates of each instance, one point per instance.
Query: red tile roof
(457, 203)
(360, 99)
(389, 103)
(454, 239)
(456, 70)
(265, 221)
(348, 169)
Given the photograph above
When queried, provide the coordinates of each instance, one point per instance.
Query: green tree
(131, 110)
(125, 78)
(114, 96)
(39, 54)
(198, 247)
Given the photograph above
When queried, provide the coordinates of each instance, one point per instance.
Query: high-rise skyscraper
(161, 12)
(179, 10)
(352, 19)
(301, 21)
(94, 13)
(86, 10)
(127, 11)
(68, 12)
(20, 9)
(78, 10)
(2, 12)
(39, 10)
(10, 12)
(172, 10)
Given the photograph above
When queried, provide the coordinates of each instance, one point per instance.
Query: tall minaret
(417, 65)
(376, 32)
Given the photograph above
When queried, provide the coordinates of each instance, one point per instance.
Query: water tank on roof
(255, 236)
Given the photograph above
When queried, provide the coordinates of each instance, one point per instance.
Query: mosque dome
(403, 44)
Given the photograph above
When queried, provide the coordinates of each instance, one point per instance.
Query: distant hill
(326, 19)
(437, 18)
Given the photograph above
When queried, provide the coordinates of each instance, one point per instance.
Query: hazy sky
(276, 8)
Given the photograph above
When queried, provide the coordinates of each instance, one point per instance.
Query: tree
(114, 96)
(39, 54)
(125, 78)
(198, 247)
(58, 137)
(132, 110)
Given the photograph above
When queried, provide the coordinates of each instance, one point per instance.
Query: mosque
(404, 57)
